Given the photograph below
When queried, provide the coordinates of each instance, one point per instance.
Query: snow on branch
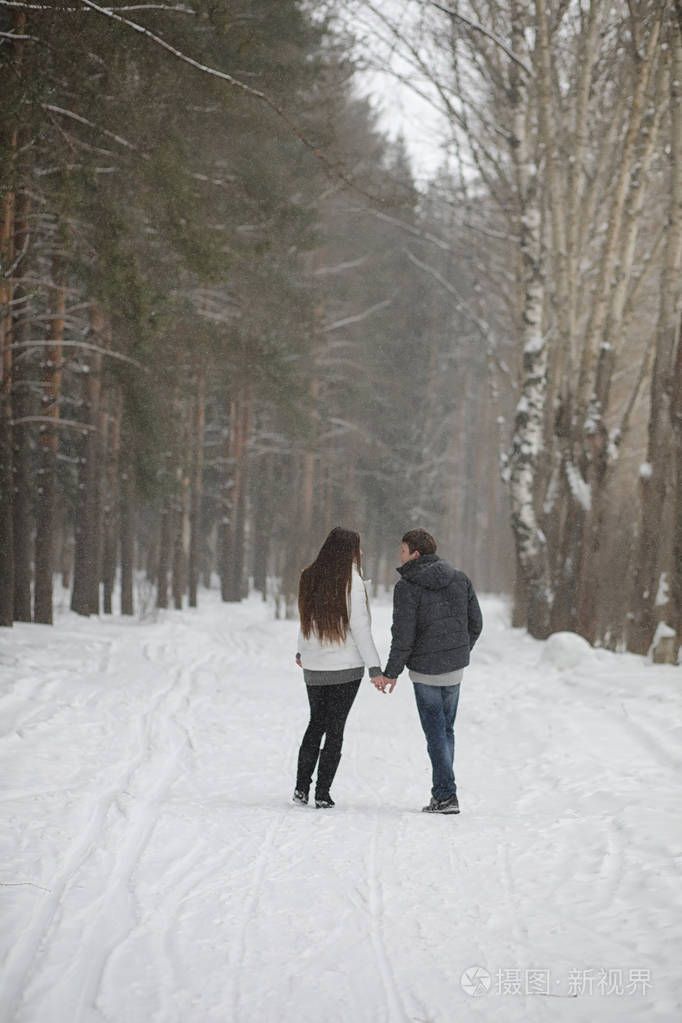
(71, 424)
(358, 317)
(9, 273)
(47, 343)
(327, 271)
(176, 8)
(220, 182)
(90, 124)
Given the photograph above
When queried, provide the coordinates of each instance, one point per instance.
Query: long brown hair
(324, 587)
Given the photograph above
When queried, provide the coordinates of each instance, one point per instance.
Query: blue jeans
(437, 706)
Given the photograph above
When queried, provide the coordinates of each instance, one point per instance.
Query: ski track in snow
(148, 773)
(250, 912)
(395, 1005)
(154, 869)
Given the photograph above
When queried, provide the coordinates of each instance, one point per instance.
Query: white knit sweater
(357, 650)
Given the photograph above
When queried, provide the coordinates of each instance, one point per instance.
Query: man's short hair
(420, 540)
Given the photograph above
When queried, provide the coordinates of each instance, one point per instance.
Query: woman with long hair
(334, 646)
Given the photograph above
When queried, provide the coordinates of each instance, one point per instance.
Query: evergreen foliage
(227, 350)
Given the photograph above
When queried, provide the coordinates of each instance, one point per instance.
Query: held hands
(380, 682)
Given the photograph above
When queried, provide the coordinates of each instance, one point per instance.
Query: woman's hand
(298, 660)
(380, 682)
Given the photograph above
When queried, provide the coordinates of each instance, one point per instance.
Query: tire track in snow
(28, 949)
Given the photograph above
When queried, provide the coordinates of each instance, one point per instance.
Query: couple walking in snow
(436, 621)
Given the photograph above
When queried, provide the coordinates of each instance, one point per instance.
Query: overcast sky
(399, 107)
(401, 110)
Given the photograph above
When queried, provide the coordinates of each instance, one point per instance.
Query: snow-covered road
(153, 868)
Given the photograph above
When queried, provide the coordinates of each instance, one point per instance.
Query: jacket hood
(428, 571)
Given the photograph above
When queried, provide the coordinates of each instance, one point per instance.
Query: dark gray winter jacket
(436, 618)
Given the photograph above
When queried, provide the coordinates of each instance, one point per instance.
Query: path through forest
(154, 869)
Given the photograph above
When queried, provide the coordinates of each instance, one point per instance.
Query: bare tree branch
(173, 8)
(408, 228)
(489, 35)
(462, 306)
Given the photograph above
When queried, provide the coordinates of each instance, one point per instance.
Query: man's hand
(381, 682)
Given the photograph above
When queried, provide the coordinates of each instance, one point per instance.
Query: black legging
(329, 708)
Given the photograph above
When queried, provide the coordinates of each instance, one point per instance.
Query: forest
(231, 317)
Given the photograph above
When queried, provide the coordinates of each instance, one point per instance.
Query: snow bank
(565, 650)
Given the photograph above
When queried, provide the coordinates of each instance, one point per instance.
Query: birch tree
(558, 113)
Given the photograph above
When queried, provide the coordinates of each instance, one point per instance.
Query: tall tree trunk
(225, 506)
(235, 464)
(197, 467)
(16, 64)
(294, 554)
(656, 480)
(241, 581)
(128, 524)
(6, 472)
(262, 527)
(676, 571)
(527, 441)
(22, 505)
(601, 305)
(166, 527)
(180, 539)
(582, 433)
(49, 443)
(85, 596)
(598, 451)
(21, 497)
(111, 499)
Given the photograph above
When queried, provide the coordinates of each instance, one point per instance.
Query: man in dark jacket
(436, 621)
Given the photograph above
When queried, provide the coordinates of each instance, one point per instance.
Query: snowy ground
(154, 870)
